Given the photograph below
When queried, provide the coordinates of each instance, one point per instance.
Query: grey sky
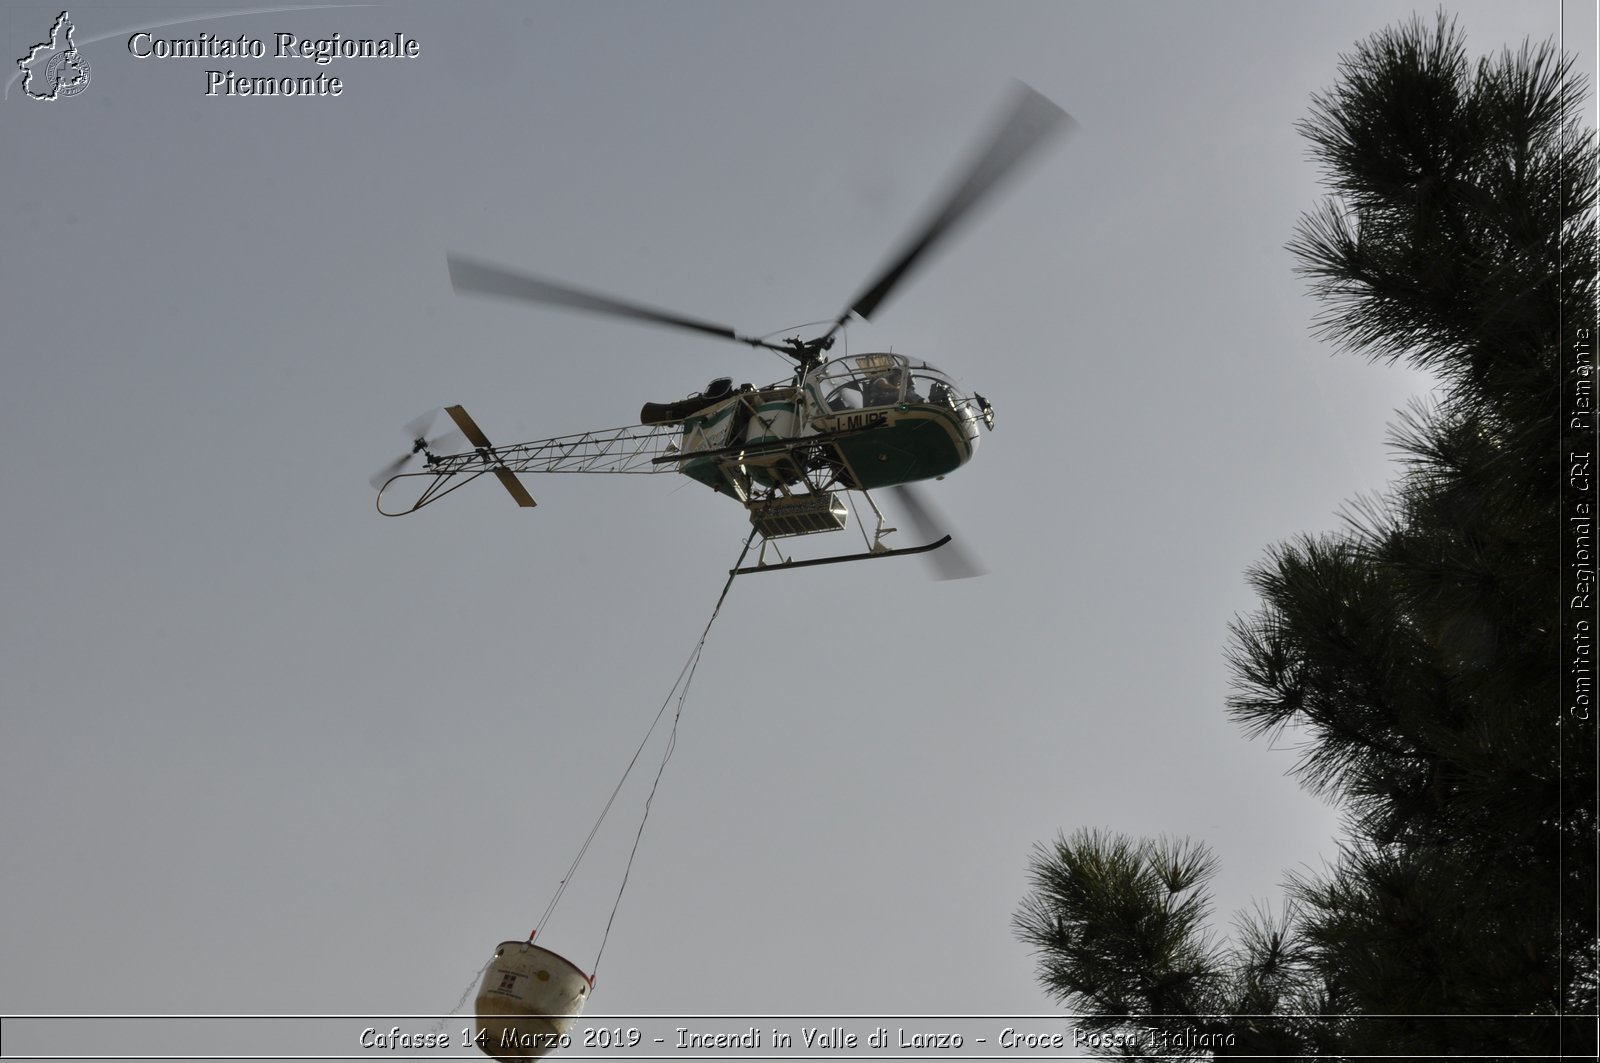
(250, 725)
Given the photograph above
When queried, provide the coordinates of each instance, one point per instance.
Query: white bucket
(528, 1001)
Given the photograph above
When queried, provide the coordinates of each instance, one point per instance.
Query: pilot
(888, 389)
(884, 390)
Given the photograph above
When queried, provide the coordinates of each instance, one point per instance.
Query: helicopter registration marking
(869, 419)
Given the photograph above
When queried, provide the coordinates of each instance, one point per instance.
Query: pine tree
(1418, 646)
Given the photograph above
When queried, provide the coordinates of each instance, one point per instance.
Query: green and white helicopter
(797, 453)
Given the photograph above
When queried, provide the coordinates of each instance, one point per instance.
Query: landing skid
(875, 547)
(868, 555)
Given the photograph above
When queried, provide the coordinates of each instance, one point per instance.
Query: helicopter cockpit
(867, 381)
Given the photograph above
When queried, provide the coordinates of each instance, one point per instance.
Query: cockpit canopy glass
(865, 381)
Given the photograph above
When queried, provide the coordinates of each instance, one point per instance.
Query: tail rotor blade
(388, 472)
(419, 432)
(449, 443)
(419, 427)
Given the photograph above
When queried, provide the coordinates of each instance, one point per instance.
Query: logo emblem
(55, 69)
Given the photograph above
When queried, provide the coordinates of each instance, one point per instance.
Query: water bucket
(528, 1001)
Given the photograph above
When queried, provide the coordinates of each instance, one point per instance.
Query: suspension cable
(672, 740)
(681, 689)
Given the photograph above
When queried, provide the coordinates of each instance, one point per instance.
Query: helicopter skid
(867, 555)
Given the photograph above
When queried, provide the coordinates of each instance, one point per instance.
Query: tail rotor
(419, 429)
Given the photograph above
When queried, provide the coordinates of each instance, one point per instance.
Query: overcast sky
(265, 751)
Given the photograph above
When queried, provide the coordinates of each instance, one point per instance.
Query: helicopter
(795, 453)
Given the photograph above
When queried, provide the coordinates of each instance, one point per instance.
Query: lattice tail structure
(632, 449)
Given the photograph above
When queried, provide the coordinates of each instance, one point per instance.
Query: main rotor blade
(483, 279)
(1029, 121)
(950, 561)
